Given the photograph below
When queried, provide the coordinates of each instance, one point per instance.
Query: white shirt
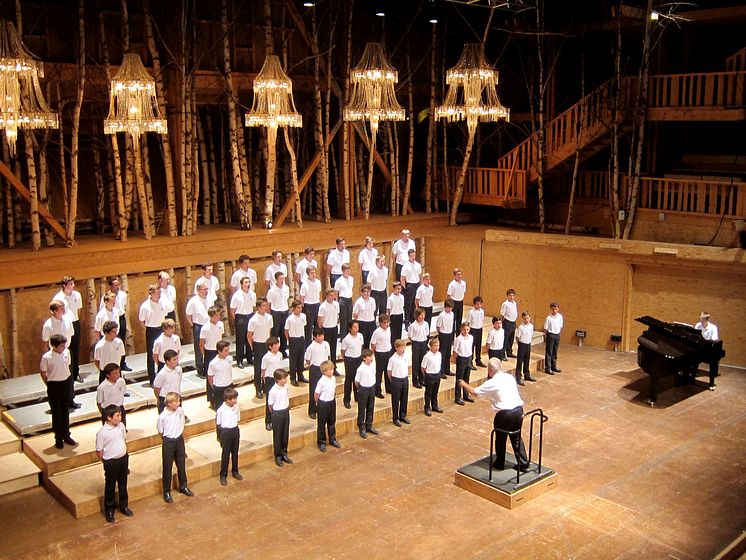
(56, 365)
(278, 397)
(456, 290)
(168, 381)
(171, 422)
(476, 318)
(296, 325)
(112, 441)
(163, 343)
(378, 278)
(221, 371)
(424, 295)
(105, 315)
(168, 299)
(364, 310)
(108, 351)
(418, 332)
(271, 362)
(710, 332)
(212, 333)
(197, 308)
(310, 291)
(273, 268)
(432, 362)
(329, 314)
(398, 366)
(317, 352)
(401, 250)
(337, 258)
(302, 267)
(243, 303)
(496, 339)
(57, 326)
(554, 323)
(411, 272)
(524, 333)
(501, 391)
(111, 393)
(509, 310)
(326, 388)
(228, 416)
(213, 285)
(365, 375)
(463, 345)
(444, 323)
(395, 304)
(381, 340)
(120, 301)
(367, 258)
(151, 313)
(344, 286)
(278, 297)
(73, 303)
(239, 274)
(352, 347)
(261, 326)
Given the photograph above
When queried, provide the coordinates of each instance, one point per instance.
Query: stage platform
(505, 488)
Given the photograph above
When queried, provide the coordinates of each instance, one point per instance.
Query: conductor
(502, 392)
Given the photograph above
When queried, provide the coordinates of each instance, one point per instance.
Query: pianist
(709, 331)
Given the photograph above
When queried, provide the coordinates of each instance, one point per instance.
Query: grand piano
(675, 349)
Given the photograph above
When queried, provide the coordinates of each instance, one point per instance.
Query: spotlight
(308, 4)
(268, 224)
(379, 13)
(654, 16)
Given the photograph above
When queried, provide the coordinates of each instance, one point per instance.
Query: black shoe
(459, 402)
(294, 383)
(240, 366)
(125, 367)
(202, 375)
(237, 475)
(322, 447)
(186, 491)
(380, 396)
(444, 376)
(467, 398)
(312, 415)
(438, 409)
(510, 355)
(525, 468)
(126, 511)
(428, 412)
(335, 443)
(59, 444)
(167, 497)
(529, 378)
(450, 374)
(70, 441)
(498, 466)
(268, 427)
(397, 423)
(78, 379)
(109, 516)
(480, 364)
(549, 372)
(278, 462)
(372, 430)
(520, 382)
(260, 394)
(557, 370)
(405, 420)
(223, 481)
(75, 405)
(127, 394)
(347, 405)
(336, 373)
(362, 433)
(302, 379)
(286, 459)
(417, 386)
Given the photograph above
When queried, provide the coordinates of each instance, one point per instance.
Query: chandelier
(472, 91)
(22, 103)
(273, 107)
(133, 107)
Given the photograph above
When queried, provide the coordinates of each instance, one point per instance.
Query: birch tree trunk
(129, 177)
(14, 353)
(33, 189)
(44, 185)
(430, 158)
(142, 199)
(111, 194)
(73, 215)
(461, 178)
(196, 170)
(579, 127)
(394, 163)
(269, 197)
(62, 157)
(100, 191)
(213, 183)
(369, 189)
(243, 165)
(410, 153)
(148, 183)
(204, 174)
(346, 155)
(616, 117)
(293, 176)
(541, 134)
(322, 178)
(9, 218)
(92, 308)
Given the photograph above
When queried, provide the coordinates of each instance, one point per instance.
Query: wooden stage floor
(636, 482)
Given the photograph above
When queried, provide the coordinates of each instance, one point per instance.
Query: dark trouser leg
(550, 354)
(235, 442)
(296, 347)
(70, 391)
(351, 365)
(409, 297)
(199, 362)
(418, 353)
(269, 382)
(397, 322)
(432, 384)
(461, 365)
(311, 311)
(324, 414)
(229, 439)
(58, 394)
(75, 350)
(124, 463)
(365, 397)
(209, 356)
(168, 453)
(382, 361)
(364, 276)
(477, 334)
(523, 360)
(151, 333)
(445, 351)
(398, 268)
(366, 329)
(333, 279)
(399, 395)
(180, 457)
(428, 314)
(217, 396)
(260, 349)
(122, 335)
(509, 328)
(458, 315)
(510, 420)
(242, 324)
(280, 429)
(330, 336)
(345, 314)
(499, 354)
(314, 374)
(278, 329)
(111, 474)
(379, 296)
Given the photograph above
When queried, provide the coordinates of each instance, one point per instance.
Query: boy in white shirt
(244, 270)
(111, 391)
(167, 340)
(364, 312)
(109, 349)
(196, 314)
(509, 313)
(709, 331)
(209, 336)
(55, 372)
(398, 373)
(431, 367)
(212, 282)
(324, 396)
(337, 257)
(400, 251)
(120, 303)
(270, 275)
(352, 350)
(168, 379)
(310, 297)
(418, 333)
(395, 311)
(73, 305)
(278, 296)
(151, 317)
(524, 334)
(462, 350)
(328, 320)
(171, 427)
(301, 268)
(111, 449)
(496, 340)
(411, 274)
(445, 326)
(343, 289)
(229, 435)
(475, 319)
(168, 295)
(278, 401)
(61, 324)
(423, 297)
(220, 373)
(107, 313)
(365, 387)
(552, 328)
(316, 353)
(380, 343)
(367, 259)
(378, 278)
(257, 333)
(295, 333)
(456, 292)
(242, 307)
(271, 362)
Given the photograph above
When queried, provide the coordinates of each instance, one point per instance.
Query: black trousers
(75, 350)
(382, 362)
(58, 395)
(446, 340)
(330, 335)
(115, 475)
(399, 396)
(510, 420)
(398, 268)
(380, 298)
(280, 431)
(509, 328)
(419, 349)
(314, 374)
(278, 329)
(523, 360)
(217, 395)
(229, 440)
(351, 365)
(366, 403)
(462, 372)
(428, 314)
(296, 349)
(173, 449)
(123, 412)
(161, 403)
(458, 314)
(333, 279)
(243, 350)
(260, 349)
(151, 333)
(209, 356)
(500, 354)
(311, 311)
(432, 385)
(345, 314)
(366, 329)
(269, 382)
(397, 323)
(122, 335)
(409, 292)
(364, 276)
(477, 353)
(326, 421)
(550, 351)
(199, 361)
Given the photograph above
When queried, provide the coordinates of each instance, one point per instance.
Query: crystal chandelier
(472, 91)
(22, 103)
(133, 107)
(273, 107)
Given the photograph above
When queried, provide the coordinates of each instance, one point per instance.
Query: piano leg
(653, 390)
(713, 374)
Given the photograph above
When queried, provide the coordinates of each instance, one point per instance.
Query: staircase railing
(712, 89)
